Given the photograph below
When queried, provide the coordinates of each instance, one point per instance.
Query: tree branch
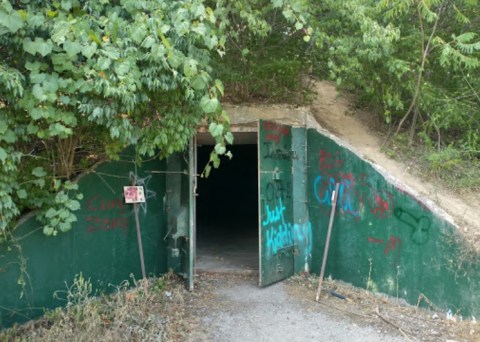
(425, 52)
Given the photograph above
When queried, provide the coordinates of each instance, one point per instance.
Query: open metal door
(276, 239)
(180, 206)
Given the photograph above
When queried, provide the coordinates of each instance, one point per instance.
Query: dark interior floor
(227, 213)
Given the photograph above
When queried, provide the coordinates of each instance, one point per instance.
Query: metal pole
(139, 238)
(327, 243)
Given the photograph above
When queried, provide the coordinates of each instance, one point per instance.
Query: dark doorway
(227, 212)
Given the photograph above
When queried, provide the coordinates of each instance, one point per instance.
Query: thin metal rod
(327, 243)
(139, 238)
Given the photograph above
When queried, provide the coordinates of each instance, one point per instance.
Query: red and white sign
(134, 194)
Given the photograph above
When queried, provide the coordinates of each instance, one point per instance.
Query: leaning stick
(327, 243)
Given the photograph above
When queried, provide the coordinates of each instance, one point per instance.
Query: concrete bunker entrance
(227, 208)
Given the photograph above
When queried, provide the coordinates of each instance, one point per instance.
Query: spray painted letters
(280, 233)
(106, 214)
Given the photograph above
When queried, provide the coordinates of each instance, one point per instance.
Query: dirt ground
(229, 307)
(358, 129)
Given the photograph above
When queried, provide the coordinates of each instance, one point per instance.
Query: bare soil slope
(336, 114)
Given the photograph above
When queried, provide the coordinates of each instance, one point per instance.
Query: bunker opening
(227, 209)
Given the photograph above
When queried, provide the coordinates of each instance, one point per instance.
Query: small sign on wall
(134, 194)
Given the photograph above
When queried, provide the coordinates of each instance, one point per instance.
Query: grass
(151, 310)
(449, 166)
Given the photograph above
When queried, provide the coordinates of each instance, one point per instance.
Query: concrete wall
(102, 244)
(383, 238)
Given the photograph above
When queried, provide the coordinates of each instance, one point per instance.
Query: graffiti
(382, 206)
(323, 190)
(375, 240)
(278, 237)
(275, 153)
(275, 132)
(354, 196)
(420, 225)
(277, 190)
(327, 162)
(95, 203)
(98, 221)
(280, 233)
(392, 243)
(286, 235)
(274, 215)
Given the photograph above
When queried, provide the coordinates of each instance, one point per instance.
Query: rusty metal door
(276, 240)
(180, 206)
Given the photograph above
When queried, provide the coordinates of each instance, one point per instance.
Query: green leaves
(216, 130)
(209, 105)
(416, 61)
(3, 155)
(220, 149)
(39, 172)
(39, 45)
(72, 48)
(10, 20)
(22, 194)
(112, 75)
(190, 68)
(89, 50)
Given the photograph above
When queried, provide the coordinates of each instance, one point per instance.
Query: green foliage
(269, 62)
(415, 62)
(444, 160)
(81, 80)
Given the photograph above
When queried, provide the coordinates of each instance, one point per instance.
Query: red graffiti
(94, 203)
(382, 208)
(327, 162)
(98, 223)
(392, 243)
(275, 132)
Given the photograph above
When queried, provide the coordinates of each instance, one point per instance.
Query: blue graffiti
(274, 215)
(324, 188)
(288, 234)
(281, 233)
(327, 193)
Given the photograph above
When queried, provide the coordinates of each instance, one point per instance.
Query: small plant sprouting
(80, 290)
(369, 280)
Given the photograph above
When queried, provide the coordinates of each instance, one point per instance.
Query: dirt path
(335, 114)
(229, 307)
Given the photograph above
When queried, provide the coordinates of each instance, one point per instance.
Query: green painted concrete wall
(383, 238)
(102, 244)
